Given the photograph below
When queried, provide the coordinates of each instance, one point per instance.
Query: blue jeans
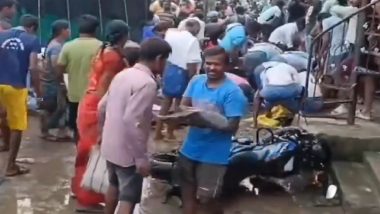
(287, 96)
(53, 103)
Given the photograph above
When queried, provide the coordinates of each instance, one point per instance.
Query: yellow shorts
(14, 101)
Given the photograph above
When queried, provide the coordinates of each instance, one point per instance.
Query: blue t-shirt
(208, 145)
(234, 39)
(148, 32)
(16, 45)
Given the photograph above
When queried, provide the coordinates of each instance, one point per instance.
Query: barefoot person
(204, 155)
(182, 65)
(127, 109)
(18, 55)
(106, 65)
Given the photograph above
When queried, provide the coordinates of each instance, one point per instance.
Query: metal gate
(132, 11)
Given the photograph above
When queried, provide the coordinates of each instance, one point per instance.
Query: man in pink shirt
(127, 109)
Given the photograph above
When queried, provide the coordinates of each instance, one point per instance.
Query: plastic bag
(32, 102)
(277, 118)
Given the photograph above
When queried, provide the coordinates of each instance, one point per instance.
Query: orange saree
(87, 122)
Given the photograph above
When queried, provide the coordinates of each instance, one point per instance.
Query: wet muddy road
(46, 190)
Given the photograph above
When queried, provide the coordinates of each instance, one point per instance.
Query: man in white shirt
(283, 36)
(280, 85)
(197, 17)
(182, 64)
(334, 43)
(258, 54)
(344, 11)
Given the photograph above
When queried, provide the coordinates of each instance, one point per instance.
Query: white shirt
(201, 34)
(343, 12)
(185, 48)
(327, 5)
(268, 15)
(338, 35)
(284, 34)
(281, 74)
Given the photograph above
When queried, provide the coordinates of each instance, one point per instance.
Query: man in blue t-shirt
(18, 55)
(205, 152)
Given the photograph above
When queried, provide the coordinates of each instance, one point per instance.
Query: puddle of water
(24, 206)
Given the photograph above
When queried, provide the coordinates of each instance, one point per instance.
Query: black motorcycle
(290, 157)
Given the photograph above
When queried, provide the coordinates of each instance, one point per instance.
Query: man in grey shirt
(7, 12)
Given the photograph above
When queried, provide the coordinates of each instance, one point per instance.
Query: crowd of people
(217, 60)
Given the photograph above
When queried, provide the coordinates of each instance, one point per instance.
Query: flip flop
(64, 138)
(19, 171)
(93, 209)
(340, 110)
(49, 137)
(26, 160)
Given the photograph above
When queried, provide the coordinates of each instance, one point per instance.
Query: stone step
(372, 159)
(358, 191)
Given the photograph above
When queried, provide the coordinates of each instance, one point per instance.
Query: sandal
(340, 110)
(18, 171)
(64, 139)
(52, 138)
(92, 209)
(25, 160)
(49, 137)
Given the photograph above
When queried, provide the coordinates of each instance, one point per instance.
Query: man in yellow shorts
(18, 55)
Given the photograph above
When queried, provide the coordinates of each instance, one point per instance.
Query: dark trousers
(72, 121)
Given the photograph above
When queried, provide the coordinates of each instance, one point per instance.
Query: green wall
(132, 11)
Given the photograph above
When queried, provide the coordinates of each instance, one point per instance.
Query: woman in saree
(106, 65)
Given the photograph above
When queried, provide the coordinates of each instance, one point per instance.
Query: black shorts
(127, 181)
(206, 178)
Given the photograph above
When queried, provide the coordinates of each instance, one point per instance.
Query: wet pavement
(46, 190)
